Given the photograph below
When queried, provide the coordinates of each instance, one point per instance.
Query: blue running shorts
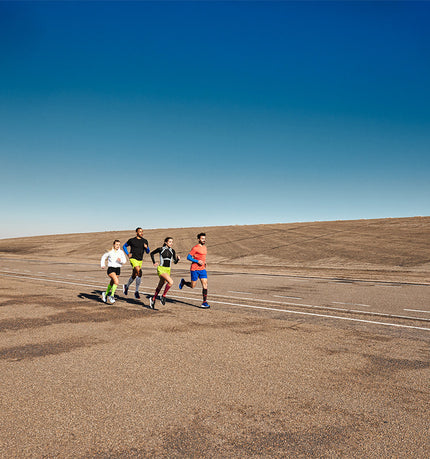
(199, 274)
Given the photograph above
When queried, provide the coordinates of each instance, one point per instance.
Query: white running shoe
(112, 299)
(151, 303)
(104, 297)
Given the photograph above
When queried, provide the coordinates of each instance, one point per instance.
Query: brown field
(256, 375)
(396, 248)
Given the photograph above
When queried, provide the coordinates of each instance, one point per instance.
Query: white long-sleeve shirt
(112, 257)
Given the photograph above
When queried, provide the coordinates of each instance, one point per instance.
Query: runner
(167, 254)
(197, 256)
(138, 245)
(115, 258)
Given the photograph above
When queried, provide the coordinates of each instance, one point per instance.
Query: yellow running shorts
(163, 270)
(135, 262)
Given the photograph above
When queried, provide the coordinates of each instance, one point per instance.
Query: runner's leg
(109, 287)
(138, 278)
(204, 282)
(169, 283)
(159, 287)
(114, 282)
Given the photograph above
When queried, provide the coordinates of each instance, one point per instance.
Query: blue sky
(170, 114)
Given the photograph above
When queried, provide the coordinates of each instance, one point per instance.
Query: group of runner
(135, 248)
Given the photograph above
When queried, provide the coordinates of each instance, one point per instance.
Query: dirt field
(317, 344)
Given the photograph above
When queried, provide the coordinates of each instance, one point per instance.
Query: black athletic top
(137, 247)
(167, 254)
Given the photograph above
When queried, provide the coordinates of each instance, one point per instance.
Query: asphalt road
(402, 305)
(280, 366)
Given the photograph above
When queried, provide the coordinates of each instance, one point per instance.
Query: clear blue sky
(169, 114)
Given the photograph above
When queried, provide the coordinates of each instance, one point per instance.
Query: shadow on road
(96, 295)
(173, 301)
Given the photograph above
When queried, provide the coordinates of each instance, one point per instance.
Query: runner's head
(202, 238)
(168, 242)
(116, 244)
(139, 232)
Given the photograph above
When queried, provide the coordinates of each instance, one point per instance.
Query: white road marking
(326, 316)
(319, 315)
(352, 304)
(416, 310)
(243, 293)
(373, 313)
(289, 297)
(51, 280)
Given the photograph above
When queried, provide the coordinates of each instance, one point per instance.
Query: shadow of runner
(134, 301)
(173, 301)
(96, 295)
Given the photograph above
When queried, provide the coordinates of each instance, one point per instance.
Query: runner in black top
(167, 255)
(138, 246)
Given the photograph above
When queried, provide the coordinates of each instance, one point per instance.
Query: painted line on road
(350, 319)
(242, 293)
(352, 304)
(289, 297)
(50, 280)
(416, 310)
(322, 315)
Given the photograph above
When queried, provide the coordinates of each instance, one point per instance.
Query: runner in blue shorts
(197, 256)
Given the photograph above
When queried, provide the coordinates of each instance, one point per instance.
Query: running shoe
(104, 297)
(181, 284)
(151, 303)
(112, 299)
(205, 305)
(125, 289)
(136, 295)
(163, 300)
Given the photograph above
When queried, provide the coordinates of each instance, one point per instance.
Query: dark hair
(200, 235)
(165, 240)
(138, 228)
(116, 240)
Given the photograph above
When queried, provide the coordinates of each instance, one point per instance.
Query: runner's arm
(192, 259)
(124, 247)
(153, 253)
(103, 260)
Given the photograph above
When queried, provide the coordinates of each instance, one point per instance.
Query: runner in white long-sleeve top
(116, 258)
